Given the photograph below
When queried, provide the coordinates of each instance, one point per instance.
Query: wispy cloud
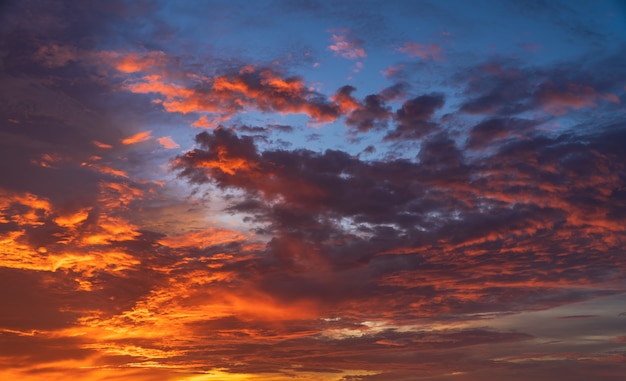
(137, 138)
(347, 46)
(427, 52)
(168, 142)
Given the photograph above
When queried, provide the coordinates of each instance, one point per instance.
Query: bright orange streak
(101, 145)
(137, 138)
(106, 170)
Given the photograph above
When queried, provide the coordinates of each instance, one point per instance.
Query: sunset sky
(313, 190)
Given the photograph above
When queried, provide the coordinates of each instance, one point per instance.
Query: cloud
(494, 130)
(101, 145)
(136, 62)
(427, 52)
(201, 239)
(224, 95)
(373, 113)
(168, 142)
(280, 261)
(413, 119)
(558, 101)
(137, 138)
(346, 46)
(500, 88)
(301, 197)
(56, 55)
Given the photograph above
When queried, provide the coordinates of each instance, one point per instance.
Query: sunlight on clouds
(227, 163)
(168, 143)
(202, 239)
(118, 195)
(137, 138)
(73, 220)
(110, 229)
(368, 198)
(22, 256)
(168, 312)
(135, 62)
(23, 209)
(101, 145)
(105, 169)
(347, 47)
(223, 375)
(133, 351)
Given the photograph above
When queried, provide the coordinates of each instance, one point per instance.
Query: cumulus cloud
(413, 119)
(372, 113)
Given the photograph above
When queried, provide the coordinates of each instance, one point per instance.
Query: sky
(312, 190)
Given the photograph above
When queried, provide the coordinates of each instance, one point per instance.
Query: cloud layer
(177, 205)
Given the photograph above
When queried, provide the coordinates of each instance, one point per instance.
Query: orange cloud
(137, 138)
(118, 195)
(101, 145)
(136, 62)
(249, 88)
(106, 169)
(204, 122)
(168, 142)
(23, 209)
(343, 98)
(73, 219)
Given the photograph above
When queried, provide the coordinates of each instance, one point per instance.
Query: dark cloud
(265, 130)
(253, 129)
(413, 119)
(281, 128)
(395, 92)
(392, 263)
(30, 305)
(494, 130)
(372, 114)
(536, 191)
(505, 89)
(497, 88)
